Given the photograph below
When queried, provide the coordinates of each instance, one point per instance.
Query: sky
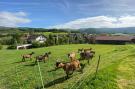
(67, 13)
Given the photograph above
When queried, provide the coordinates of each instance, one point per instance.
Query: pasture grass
(52, 33)
(116, 69)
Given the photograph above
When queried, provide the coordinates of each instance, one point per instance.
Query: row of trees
(71, 38)
(52, 39)
(61, 39)
(12, 39)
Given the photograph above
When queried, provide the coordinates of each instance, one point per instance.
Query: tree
(16, 38)
(51, 40)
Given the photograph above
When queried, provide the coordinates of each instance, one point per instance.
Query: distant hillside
(28, 29)
(82, 30)
(108, 30)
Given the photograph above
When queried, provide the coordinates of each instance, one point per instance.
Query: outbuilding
(114, 39)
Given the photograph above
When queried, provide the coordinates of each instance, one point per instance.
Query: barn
(114, 39)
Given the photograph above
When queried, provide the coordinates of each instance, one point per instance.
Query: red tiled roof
(121, 38)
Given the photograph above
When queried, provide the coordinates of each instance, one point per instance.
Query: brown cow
(82, 50)
(87, 54)
(42, 57)
(69, 67)
(27, 56)
(72, 56)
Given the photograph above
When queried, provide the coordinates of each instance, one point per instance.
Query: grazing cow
(27, 56)
(83, 50)
(72, 56)
(87, 50)
(87, 54)
(80, 50)
(69, 67)
(42, 57)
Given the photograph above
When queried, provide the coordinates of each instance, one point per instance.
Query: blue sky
(67, 13)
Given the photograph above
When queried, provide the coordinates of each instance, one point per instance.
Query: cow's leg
(44, 60)
(80, 68)
(67, 73)
(22, 59)
(30, 58)
(36, 61)
(91, 57)
(72, 72)
(88, 61)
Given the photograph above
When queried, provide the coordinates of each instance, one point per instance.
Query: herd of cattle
(68, 67)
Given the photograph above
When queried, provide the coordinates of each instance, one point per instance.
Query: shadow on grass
(51, 70)
(56, 81)
(17, 62)
(21, 61)
(32, 64)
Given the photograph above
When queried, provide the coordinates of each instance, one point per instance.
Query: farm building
(114, 39)
(38, 38)
(24, 46)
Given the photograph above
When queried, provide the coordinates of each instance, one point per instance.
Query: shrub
(11, 47)
(37, 44)
(6, 41)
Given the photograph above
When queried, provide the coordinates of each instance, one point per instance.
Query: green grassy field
(116, 69)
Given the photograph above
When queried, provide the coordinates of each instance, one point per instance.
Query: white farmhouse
(38, 38)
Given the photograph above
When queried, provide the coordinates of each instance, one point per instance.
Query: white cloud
(10, 19)
(99, 22)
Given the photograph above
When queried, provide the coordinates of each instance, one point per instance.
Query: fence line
(91, 72)
(86, 76)
(82, 76)
(52, 74)
(96, 70)
(41, 75)
(97, 67)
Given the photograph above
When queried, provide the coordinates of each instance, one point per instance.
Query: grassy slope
(47, 33)
(116, 68)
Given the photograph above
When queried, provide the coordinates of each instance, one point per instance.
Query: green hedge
(11, 47)
(37, 44)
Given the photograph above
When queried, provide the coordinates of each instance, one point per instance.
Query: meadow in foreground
(116, 69)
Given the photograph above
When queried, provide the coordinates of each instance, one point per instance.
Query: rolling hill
(127, 30)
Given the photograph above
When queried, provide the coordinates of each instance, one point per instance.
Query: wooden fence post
(97, 67)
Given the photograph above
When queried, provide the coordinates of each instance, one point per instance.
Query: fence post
(41, 76)
(97, 67)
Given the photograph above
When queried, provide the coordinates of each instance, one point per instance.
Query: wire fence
(42, 82)
(83, 76)
(18, 68)
(17, 76)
